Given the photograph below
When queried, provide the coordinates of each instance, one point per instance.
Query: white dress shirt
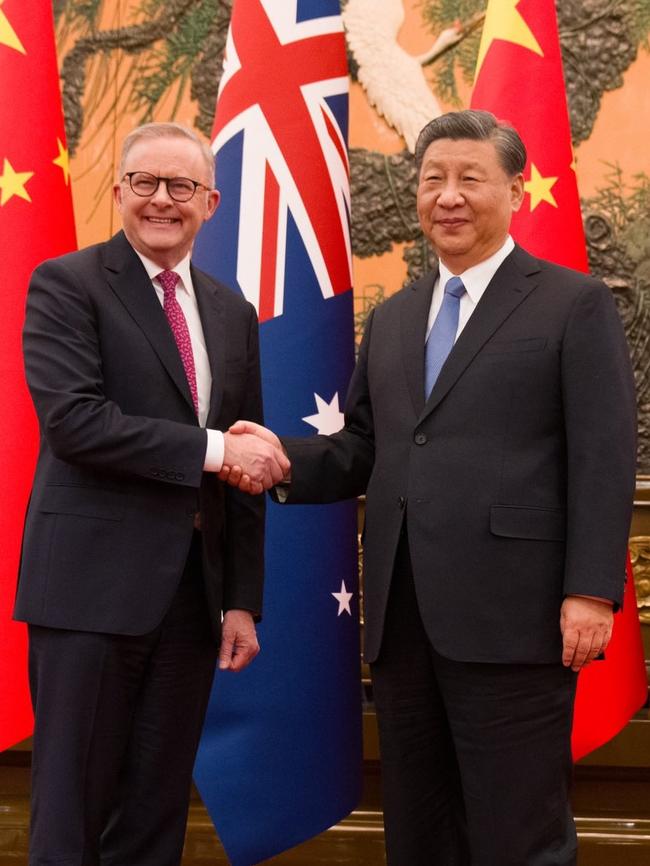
(186, 297)
(475, 280)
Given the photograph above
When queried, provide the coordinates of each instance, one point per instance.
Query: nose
(161, 196)
(450, 195)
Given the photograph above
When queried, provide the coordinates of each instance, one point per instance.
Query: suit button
(401, 501)
(420, 438)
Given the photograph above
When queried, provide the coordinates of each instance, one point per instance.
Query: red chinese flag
(519, 78)
(36, 222)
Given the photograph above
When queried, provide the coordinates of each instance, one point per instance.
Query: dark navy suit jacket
(120, 470)
(516, 476)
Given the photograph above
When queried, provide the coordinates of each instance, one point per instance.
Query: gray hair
(478, 126)
(150, 131)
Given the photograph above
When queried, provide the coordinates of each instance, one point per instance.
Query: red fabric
(31, 121)
(524, 84)
(527, 90)
(610, 692)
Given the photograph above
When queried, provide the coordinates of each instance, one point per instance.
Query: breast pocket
(528, 344)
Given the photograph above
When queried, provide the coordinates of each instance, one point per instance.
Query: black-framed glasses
(178, 188)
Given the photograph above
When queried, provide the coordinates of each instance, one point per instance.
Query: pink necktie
(178, 324)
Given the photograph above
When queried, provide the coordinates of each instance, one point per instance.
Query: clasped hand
(254, 459)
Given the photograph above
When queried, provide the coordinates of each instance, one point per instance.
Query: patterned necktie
(178, 324)
(443, 333)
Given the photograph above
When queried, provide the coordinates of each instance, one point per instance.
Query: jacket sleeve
(63, 365)
(244, 539)
(599, 405)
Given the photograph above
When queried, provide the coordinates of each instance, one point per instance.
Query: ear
(517, 192)
(213, 203)
(117, 195)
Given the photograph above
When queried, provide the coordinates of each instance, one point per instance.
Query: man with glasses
(138, 562)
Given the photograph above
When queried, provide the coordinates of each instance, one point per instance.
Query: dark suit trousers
(476, 763)
(118, 720)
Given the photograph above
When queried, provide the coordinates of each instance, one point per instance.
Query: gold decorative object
(640, 555)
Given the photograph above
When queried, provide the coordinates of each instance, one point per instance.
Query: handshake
(253, 459)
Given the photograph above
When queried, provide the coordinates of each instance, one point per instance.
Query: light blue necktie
(442, 334)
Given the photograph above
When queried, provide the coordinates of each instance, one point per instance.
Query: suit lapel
(414, 317)
(214, 332)
(507, 289)
(130, 282)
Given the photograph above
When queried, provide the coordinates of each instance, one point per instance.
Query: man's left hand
(586, 625)
(239, 644)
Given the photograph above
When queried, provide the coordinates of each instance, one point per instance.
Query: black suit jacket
(516, 476)
(120, 474)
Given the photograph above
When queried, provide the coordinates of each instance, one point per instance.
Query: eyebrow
(468, 166)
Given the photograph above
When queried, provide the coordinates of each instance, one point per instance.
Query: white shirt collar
(477, 278)
(182, 269)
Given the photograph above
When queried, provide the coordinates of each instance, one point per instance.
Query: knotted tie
(178, 324)
(442, 334)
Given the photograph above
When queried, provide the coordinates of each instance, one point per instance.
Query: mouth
(161, 221)
(451, 222)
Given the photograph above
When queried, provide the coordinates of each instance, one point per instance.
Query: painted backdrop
(127, 61)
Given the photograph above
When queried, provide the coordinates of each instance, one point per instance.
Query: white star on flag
(343, 597)
(329, 418)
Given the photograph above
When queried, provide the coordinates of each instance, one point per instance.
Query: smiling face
(158, 227)
(465, 200)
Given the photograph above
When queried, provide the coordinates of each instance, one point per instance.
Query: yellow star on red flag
(13, 183)
(8, 35)
(504, 21)
(63, 160)
(539, 188)
(36, 223)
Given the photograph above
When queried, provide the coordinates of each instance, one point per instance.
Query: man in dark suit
(491, 422)
(133, 549)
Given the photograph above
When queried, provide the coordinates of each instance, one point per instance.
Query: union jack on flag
(280, 88)
(281, 754)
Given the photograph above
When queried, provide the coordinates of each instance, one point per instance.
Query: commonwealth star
(329, 418)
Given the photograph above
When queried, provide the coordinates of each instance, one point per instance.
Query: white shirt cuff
(214, 451)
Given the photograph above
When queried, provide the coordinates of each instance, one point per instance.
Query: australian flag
(280, 759)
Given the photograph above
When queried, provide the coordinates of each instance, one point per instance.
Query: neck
(458, 265)
(165, 264)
